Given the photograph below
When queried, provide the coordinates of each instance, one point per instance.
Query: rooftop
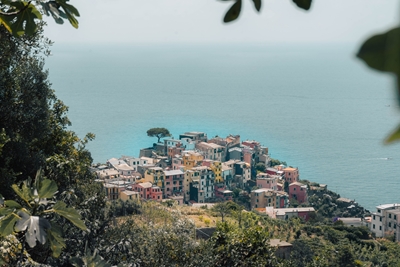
(173, 172)
(279, 243)
(388, 206)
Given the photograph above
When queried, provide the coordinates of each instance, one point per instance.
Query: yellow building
(191, 160)
(153, 175)
(216, 167)
(129, 195)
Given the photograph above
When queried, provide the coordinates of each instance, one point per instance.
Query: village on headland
(197, 171)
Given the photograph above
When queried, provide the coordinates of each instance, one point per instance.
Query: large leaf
(5, 211)
(69, 213)
(304, 4)
(12, 204)
(234, 12)
(34, 226)
(26, 19)
(56, 241)
(25, 193)
(48, 189)
(382, 51)
(7, 224)
(70, 11)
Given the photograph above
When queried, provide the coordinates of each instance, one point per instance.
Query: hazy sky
(172, 21)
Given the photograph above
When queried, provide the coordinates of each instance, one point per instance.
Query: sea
(315, 106)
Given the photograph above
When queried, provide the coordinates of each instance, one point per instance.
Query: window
(394, 225)
(374, 217)
(390, 215)
(395, 217)
(390, 224)
(380, 219)
(373, 226)
(379, 211)
(380, 227)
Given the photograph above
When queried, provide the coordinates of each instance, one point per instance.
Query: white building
(385, 219)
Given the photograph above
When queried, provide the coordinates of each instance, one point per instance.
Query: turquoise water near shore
(316, 107)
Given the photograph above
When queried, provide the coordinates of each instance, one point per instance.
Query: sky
(200, 21)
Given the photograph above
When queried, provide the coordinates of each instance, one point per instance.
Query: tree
(34, 135)
(234, 246)
(158, 132)
(260, 167)
(21, 17)
(33, 121)
(225, 208)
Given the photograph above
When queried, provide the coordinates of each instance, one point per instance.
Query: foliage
(33, 121)
(260, 167)
(35, 216)
(233, 246)
(225, 208)
(21, 17)
(275, 162)
(234, 11)
(34, 136)
(158, 132)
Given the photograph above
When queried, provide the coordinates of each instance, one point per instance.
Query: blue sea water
(315, 106)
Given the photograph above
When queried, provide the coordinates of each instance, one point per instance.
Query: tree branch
(15, 12)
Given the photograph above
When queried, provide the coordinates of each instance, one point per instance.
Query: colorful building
(298, 191)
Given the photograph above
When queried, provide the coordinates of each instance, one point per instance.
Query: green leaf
(304, 4)
(26, 192)
(5, 211)
(70, 12)
(26, 19)
(234, 12)
(56, 241)
(34, 226)
(394, 136)
(89, 260)
(48, 189)
(12, 204)
(7, 224)
(257, 5)
(69, 213)
(382, 51)
(6, 22)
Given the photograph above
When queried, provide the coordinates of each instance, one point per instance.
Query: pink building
(222, 193)
(298, 191)
(144, 189)
(265, 180)
(247, 157)
(156, 193)
(173, 183)
(291, 175)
